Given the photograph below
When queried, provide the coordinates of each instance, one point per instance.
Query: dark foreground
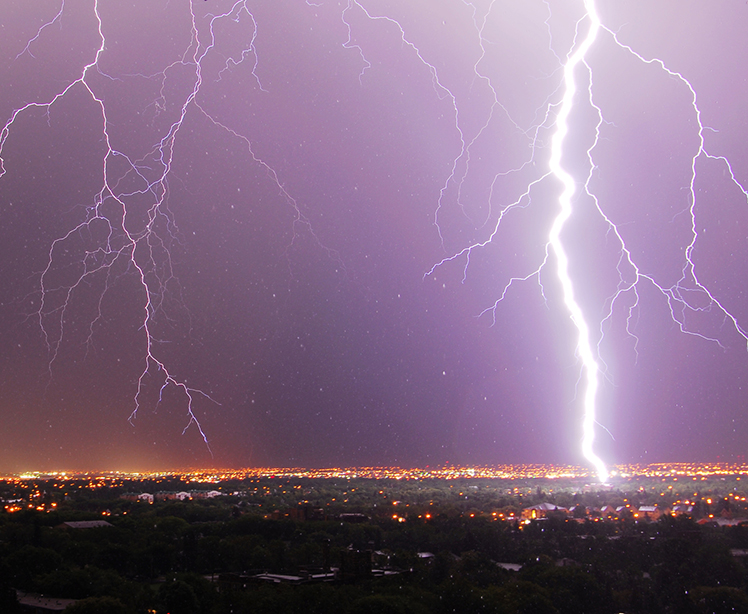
(371, 546)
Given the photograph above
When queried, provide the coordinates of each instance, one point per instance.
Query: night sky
(253, 194)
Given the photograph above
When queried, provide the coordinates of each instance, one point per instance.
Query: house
(84, 524)
(543, 510)
(33, 602)
(274, 578)
(510, 566)
(651, 512)
(170, 495)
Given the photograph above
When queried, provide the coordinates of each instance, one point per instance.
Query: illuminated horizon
(503, 471)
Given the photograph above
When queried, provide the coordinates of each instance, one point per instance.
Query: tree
(29, 562)
(720, 600)
(521, 597)
(178, 597)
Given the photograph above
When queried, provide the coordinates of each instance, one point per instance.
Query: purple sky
(283, 219)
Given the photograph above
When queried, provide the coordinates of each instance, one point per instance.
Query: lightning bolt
(114, 238)
(584, 345)
(687, 297)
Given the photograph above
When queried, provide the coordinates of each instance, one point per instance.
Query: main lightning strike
(584, 346)
(687, 296)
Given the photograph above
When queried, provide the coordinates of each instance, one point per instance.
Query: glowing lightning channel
(590, 368)
(584, 347)
(688, 296)
(685, 298)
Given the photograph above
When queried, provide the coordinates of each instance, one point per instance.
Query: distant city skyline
(222, 226)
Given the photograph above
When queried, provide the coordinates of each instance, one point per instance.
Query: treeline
(171, 556)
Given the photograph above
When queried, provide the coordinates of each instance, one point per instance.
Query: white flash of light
(590, 368)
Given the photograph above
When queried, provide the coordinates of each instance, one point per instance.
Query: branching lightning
(113, 240)
(688, 296)
(119, 241)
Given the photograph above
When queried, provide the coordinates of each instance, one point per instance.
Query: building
(84, 524)
(650, 512)
(39, 604)
(544, 510)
